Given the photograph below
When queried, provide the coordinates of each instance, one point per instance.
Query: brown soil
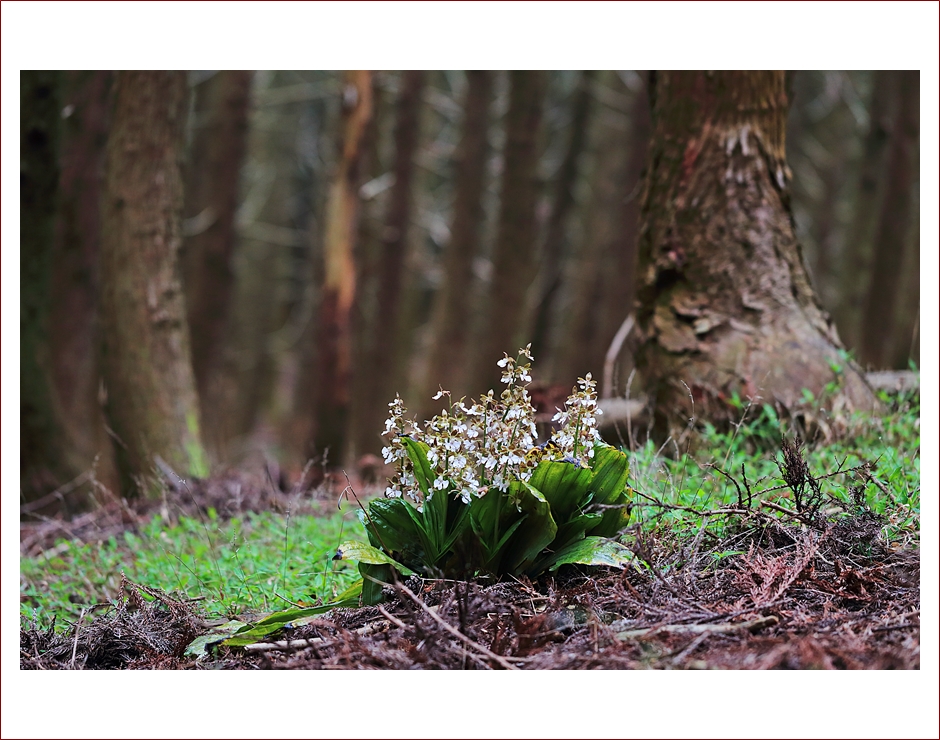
(823, 596)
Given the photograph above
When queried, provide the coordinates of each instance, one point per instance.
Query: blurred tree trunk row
(880, 345)
(504, 325)
(452, 313)
(212, 193)
(385, 359)
(463, 215)
(855, 198)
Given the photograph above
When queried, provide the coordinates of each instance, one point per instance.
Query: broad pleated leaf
(363, 553)
(278, 620)
(593, 551)
(611, 470)
(535, 533)
(564, 485)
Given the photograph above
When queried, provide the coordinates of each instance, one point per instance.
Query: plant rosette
(473, 493)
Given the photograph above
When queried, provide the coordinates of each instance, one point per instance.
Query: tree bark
(878, 323)
(73, 312)
(212, 190)
(332, 341)
(373, 166)
(452, 305)
(726, 304)
(42, 443)
(151, 395)
(514, 251)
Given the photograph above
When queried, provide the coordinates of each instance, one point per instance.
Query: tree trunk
(218, 152)
(562, 204)
(151, 405)
(855, 266)
(241, 383)
(452, 306)
(374, 168)
(878, 322)
(332, 341)
(726, 304)
(514, 251)
(73, 313)
(582, 322)
(42, 443)
(384, 351)
(618, 294)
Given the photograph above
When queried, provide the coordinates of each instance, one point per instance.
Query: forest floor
(771, 594)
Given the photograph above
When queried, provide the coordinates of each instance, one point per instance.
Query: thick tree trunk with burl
(151, 402)
(726, 304)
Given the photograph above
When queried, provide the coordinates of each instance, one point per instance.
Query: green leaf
(373, 578)
(535, 533)
(394, 525)
(278, 620)
(613, 520)
(593, 551)
(202, 645)
(609, 485)
(565, 486)
(493, 519)
(363, 553)
(434, 508)
(611, 471)
(417, 453)
(575, 529)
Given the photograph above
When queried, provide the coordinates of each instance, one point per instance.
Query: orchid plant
(473, 492)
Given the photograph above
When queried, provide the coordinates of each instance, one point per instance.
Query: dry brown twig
(752, 626)
(403, 589)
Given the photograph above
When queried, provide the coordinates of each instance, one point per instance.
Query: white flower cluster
(577, 431)
(484, 446)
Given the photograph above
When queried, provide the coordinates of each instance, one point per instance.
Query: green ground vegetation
(267, 561)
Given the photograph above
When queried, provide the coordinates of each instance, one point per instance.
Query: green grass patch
(255, 563)
(264, 562)
(889, 445)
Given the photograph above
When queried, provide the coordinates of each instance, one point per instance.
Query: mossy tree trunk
(151, 394)
(42, 443)
(505, 324)
(726, 304)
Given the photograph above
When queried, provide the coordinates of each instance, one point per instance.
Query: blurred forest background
(347, 236)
